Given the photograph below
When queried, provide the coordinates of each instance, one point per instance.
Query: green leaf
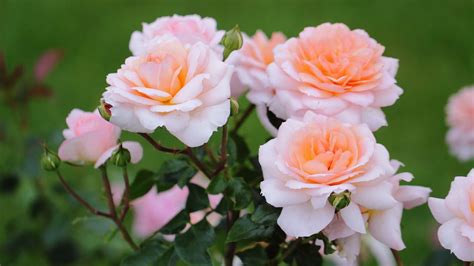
(143, 182)
(242, 149)
(265, 214)
(217, 185)
(172, 172)
(176, 224)
(169, 258)
(255, 256)
(191, 247)
(231, 152)
(245, 228)
(239, 192)
(305, 255)
(147, 255)
(197, 198)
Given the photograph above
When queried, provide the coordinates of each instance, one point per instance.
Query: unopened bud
(340, 200)
(50, 160)
(121, 157)
(234, 107)
(104, 110)
(232, 41)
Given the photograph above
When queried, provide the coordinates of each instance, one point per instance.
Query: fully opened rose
(312, 158)
(336, 72)
(455, 213)
(89, 138)
(182, 87)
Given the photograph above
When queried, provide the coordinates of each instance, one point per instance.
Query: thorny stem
(397, 257)
(158, 146)
(244, 116)
(223, 160)
(80, 199)
(187, 151)
(113, 212)
(126, 195)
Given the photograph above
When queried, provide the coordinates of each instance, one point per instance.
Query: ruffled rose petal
(385, 227)
(303, 220)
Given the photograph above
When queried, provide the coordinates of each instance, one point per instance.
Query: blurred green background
(433, 39)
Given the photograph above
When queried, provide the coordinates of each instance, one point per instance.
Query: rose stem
(126, 195)
(244, 116)
(113, 211)
(397, 257)
(80, 199)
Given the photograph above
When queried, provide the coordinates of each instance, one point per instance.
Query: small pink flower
(89, 138)
(251, 64)
(189, 29)
(460, 112)
(456, 216)
(155, 209)
(336, 72)
(185, 88)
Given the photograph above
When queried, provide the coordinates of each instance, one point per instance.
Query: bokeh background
(433, 39)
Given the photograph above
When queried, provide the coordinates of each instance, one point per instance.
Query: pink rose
(182, 87)
(189, 29)
(336, 72)
(312, 158)
(89, 138)
(460, 112)
(456, 216)
(251, 64)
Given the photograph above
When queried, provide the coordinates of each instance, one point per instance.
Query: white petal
(302, 220)
(377, 197)
(202, 123)
(385, 227)
(278, 195)
(352, 216)
(412, 196)
(439, 210)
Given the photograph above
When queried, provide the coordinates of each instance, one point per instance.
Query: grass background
(433, 39)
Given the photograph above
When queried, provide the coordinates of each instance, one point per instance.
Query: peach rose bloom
(188, 29)
(310, 159)
(336, 72)
(460, 112)
(251, 64)
(455, 213)
(182, 87)
(89, 138)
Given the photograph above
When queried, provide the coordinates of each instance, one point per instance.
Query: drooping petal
(303, 220)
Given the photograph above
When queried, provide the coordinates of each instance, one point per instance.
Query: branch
(158, 146)
(108, 192)
(80, 199)
(232, 216)
(126, 195)
(397, 257)
(244, 117)
(223, 160)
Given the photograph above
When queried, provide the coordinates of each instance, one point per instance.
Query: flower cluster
(325, 168)
(324, 177)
